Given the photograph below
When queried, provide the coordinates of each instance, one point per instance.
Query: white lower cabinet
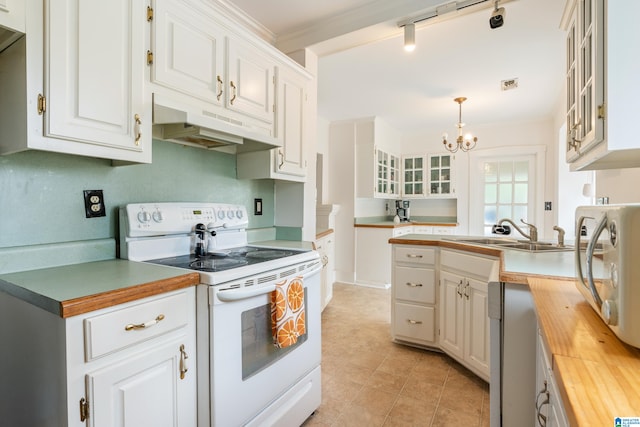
(414, 296)
(450, 313)
(549, 411)
(464, 317)
(132, 364)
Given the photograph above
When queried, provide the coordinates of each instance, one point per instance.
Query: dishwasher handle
(231, 295)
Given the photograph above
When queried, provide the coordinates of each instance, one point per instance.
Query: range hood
(187, 124)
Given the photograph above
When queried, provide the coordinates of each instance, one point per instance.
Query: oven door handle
(231, 295)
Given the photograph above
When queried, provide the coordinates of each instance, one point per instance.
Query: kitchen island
(597, 374)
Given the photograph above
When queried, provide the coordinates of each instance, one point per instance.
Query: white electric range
(243, 378)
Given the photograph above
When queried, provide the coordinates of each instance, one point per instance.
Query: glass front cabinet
(387, 174)
(428, 176)
(413, 176)
(441, 175)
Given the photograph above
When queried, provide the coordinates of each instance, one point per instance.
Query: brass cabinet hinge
(149, 57)
(602, 111)
(149, 14)
(42, 104)
(84, 409)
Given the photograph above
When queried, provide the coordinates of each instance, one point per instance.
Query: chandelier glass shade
(464, 142)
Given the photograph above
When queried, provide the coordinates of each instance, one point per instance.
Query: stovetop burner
(225, 259)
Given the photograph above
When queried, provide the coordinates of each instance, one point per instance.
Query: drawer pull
(413, 256)
(414, 322)
(148, 324)
(414, 285)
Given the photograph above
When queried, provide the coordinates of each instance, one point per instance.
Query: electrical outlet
(547, 206)
(94, 204)
(257, 206)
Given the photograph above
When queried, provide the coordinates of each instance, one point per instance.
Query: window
(506, 191)
(506, 182)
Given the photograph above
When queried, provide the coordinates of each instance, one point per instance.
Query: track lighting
(410, 37)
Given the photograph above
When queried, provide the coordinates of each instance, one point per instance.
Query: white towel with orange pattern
(287, 312)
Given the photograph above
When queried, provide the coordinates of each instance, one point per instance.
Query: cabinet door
(145, 390)
(590, 49)
(451, 313)
(251, 81)
(290, 126)
(188, 49)
(440, 175)
(373, 256)
(477, 325)
(94, 56)
(393, 176)
(413, 176)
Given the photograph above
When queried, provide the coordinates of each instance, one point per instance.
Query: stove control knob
(144, 217)
(239, 214)
(230, 214)
(158, 216)
(220, 214)
(609, 311)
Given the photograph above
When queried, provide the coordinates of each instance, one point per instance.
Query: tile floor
(369, 381)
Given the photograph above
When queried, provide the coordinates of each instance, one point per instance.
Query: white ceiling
(363, 70)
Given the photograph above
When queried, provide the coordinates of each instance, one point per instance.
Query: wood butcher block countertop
(80, 288)
(597, 374)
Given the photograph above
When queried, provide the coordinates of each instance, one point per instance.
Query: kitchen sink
(537, 247)
(501, 242)
(482, 240)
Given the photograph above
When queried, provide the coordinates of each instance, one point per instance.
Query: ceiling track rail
(442, 10)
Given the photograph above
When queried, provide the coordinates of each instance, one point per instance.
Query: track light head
(410, 37)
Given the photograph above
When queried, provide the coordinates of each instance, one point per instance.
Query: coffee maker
(402, 210)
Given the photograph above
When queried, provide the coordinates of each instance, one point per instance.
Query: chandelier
(463, 142)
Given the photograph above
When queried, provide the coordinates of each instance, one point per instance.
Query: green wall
(41, 199)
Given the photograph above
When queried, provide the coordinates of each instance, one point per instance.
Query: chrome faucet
(533, 230)
(560, 231)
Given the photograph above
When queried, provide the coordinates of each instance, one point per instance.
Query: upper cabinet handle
(233, 86)
(136, 117)
(219, 94)
(281, 155)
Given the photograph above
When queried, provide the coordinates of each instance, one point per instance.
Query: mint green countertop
(50, 288)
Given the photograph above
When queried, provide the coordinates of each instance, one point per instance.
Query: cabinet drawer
(118, 329)
(474, 266)
(415, 284)
(415, 255)
(415, 322)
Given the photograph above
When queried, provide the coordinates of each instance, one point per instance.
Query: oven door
(247, 371)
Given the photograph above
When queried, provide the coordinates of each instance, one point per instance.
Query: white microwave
(608, 265)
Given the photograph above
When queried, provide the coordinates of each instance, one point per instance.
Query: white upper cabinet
(601, 84)
(441, 168)
(430, 176)
(95, 90)
(377, 167)
(413, 176)
(12, 21)
(251, 80)
(290, 128)
(201, 62)
(188, 52)
(76, 84)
